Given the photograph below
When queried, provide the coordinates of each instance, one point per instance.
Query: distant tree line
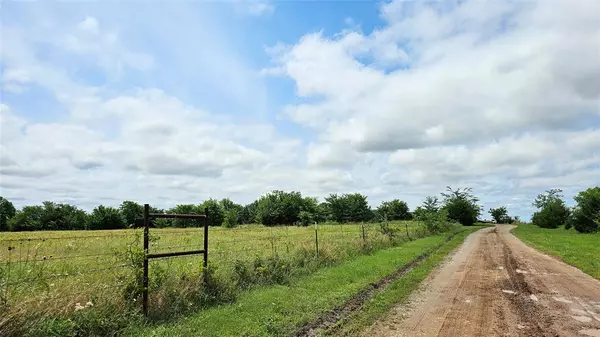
(291, 208)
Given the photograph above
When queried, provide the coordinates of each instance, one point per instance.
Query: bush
(435, 221)
(586, 215)
(231, 218)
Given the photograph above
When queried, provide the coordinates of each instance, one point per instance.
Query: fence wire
(34, 269)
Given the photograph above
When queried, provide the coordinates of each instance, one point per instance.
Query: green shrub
(7, 211)
(435, 222)
(103, 217)
(461, 206)
(552, 212)
(586, 215)
(393, 210)
(553, 215)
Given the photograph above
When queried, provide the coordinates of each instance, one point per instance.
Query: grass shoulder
(279, 310)
(398, 291)
(577, 249)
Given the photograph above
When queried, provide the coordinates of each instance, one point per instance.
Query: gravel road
(495, 285)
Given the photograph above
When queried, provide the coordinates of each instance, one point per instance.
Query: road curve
(495, 285)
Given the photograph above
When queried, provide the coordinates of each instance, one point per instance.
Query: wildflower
(78, 307)
(89, 304)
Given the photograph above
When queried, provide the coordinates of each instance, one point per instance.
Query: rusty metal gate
(147, 255)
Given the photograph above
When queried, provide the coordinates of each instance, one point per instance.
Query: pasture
(50, 276)
(577, 249)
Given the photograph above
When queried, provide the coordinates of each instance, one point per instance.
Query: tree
(7, 211)
(461, 205)
(586, 215)
(104, 217)
(133, 213)
(552, 211)
(279, 208)
(348, 207)
(231, 213)
(393, 210)
(29, 218)
(305, 218)
(247, 214)
(551, 195)
(214, 211)
(435, 221)
(431, 204)
(500, 215)
(185, 209)
(48, 216)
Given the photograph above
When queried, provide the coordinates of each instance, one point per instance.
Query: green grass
(576, 249)
(397, 291)
(43, 275)
(278, 310)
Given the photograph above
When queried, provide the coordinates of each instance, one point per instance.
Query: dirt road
(497, 286)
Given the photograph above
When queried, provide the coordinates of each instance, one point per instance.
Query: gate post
(145, 279)
(205, 254)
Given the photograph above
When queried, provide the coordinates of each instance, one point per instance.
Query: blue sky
(174, 103)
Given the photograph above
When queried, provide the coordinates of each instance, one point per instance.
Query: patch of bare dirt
(330, 320)
(497, 286)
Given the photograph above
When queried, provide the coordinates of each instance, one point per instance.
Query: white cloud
(539, 73)
(500, 96)
(105, 47)
(89, 24)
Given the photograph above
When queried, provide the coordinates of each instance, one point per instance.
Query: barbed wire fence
(58, 273)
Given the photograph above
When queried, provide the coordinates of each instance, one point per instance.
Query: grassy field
(579, 250)
(59, 276)
(279, 310)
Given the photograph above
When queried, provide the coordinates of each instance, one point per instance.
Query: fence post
(205, 255)
(272, 243)
(145, 279)
(407, 234)
(316, 239)
(362, 224)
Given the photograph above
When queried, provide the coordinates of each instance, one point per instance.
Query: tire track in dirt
(329, 320)
(497, 286)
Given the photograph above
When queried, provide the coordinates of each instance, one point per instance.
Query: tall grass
(88, 283)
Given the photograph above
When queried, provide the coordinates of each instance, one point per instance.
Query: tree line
(291, 208)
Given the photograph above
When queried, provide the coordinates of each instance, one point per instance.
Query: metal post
(205, 263)
(316, 239)
(363, 233)
(145, 280)
(407, 234)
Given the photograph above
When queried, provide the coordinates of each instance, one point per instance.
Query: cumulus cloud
(478, 70)
(500, 96)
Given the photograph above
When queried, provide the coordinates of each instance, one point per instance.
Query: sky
(176, 102)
